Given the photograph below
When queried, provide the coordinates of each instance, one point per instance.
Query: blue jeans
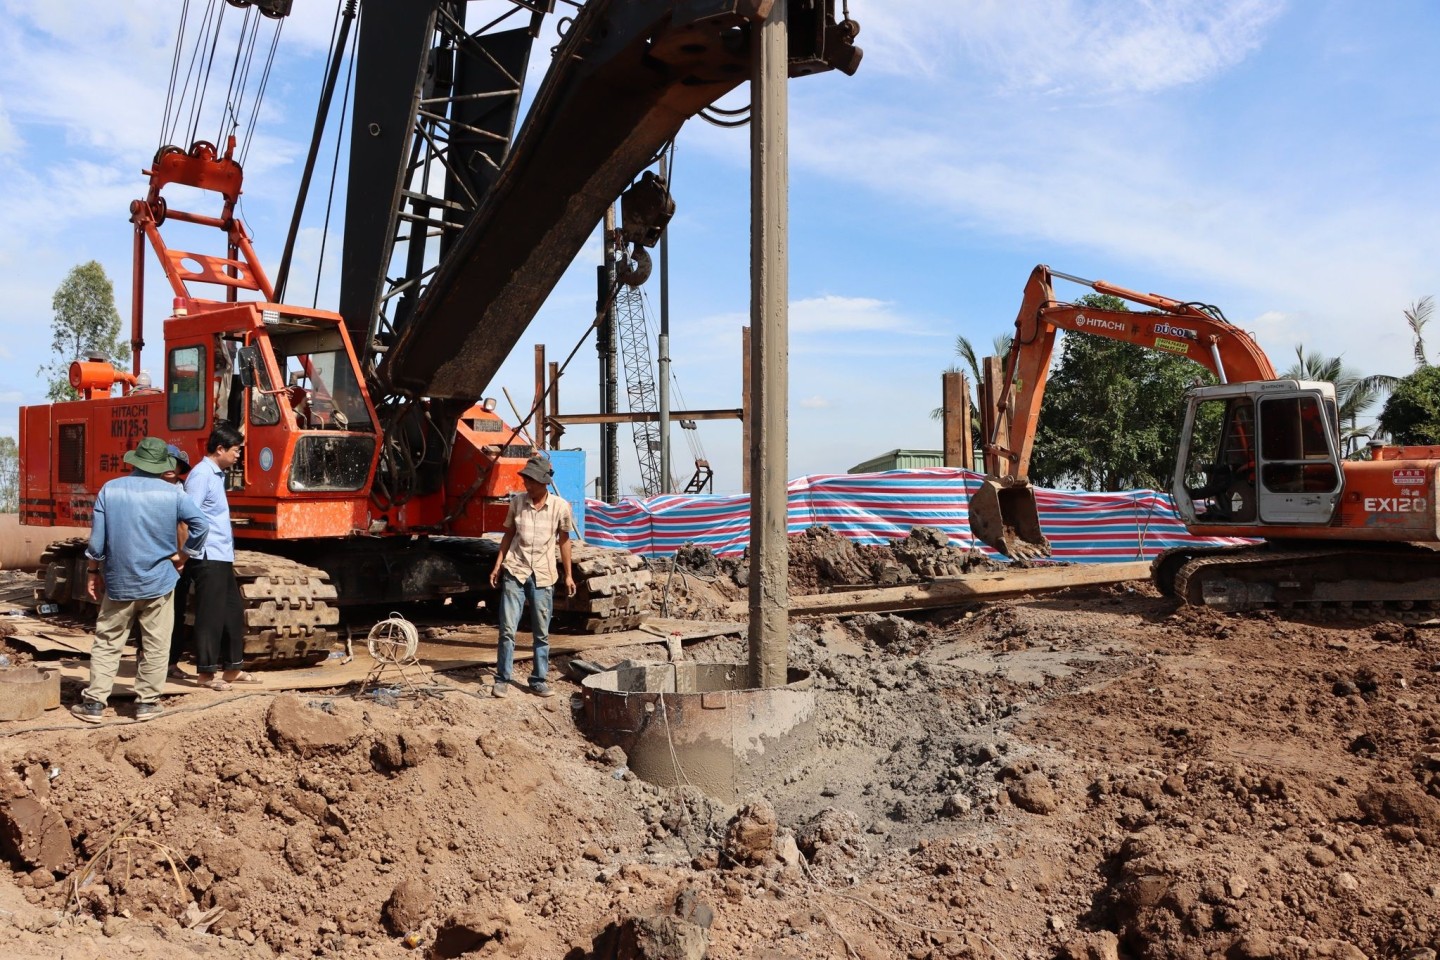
(513, 595)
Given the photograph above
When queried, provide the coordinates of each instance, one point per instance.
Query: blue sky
(1276, 159)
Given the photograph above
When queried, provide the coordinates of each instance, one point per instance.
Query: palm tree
(1417, 316)
(1354, 394)
(965, 350)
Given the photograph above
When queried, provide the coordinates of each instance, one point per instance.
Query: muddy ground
(1092, 774)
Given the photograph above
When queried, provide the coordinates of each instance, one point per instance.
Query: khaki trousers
(117, 617)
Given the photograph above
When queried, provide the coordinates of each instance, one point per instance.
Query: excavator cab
(1259, 453)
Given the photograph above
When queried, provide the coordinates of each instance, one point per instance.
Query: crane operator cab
(302, 379)
(1257, 453)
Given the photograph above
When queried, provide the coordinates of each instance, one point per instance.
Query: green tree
(1354, 394)
(86, 324)
(9, 475)
(1412, 413)
(1112, 412)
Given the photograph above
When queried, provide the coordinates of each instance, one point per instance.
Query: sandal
(175, 673)
(217, 684)
(244, 677)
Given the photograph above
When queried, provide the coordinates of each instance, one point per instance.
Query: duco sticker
(267, 458)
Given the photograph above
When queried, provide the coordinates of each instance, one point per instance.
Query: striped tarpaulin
(876, 507)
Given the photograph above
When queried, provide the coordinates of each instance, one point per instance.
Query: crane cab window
(320, 381)
(185, 396)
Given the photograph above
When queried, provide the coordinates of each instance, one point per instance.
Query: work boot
(148, 711)
(501, 689)
(91, 711)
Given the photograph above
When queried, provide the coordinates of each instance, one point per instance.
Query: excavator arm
(1184, 329)
(1002, 512)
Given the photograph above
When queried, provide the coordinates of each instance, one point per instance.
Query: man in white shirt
(538, 522)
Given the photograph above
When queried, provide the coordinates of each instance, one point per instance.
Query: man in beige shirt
(525, 569)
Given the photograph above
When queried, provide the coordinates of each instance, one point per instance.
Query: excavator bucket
(1003, 516)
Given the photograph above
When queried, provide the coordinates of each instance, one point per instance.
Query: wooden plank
(954, 591)
(455, 649)
(992, 385)
(955, 411)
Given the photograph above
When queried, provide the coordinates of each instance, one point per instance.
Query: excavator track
(1168, 563)
(1385, 582)
(290, 609)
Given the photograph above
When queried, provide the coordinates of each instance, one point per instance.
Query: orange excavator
(1258, 457)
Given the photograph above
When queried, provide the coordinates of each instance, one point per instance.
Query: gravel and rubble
(1091, 774)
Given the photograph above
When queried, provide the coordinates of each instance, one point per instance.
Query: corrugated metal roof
(901, 459)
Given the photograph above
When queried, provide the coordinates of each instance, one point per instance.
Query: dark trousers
(180, 635)
(219, 633)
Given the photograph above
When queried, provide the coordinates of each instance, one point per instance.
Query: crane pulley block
(645, 209)
(274, 9)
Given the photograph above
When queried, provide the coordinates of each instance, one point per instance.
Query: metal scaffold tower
(634, 337)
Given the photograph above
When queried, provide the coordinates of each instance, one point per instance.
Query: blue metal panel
(569, 481)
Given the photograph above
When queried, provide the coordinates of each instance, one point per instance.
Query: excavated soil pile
(698, 584)
(1086, 775)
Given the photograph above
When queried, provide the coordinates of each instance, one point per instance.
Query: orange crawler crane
(321, 522)
(1258, 457)
(371, 467)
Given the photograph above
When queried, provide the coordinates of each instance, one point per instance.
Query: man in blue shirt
(134, 561)
(219, 635)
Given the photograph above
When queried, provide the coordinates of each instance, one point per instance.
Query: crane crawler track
(289, 607)
(62, 576)
(1393, 582)
(613, 589)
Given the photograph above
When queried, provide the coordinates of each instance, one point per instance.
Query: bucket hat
(538, 469)
(151, 456)
(182, 459)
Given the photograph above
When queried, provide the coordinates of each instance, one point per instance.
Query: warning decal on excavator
(1172, 346)
(1410, 477)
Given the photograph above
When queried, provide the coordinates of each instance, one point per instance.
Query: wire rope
(334, 171)
(191, 72)
(174, 73)
(205, 83)
(260, 92)
(247, 31)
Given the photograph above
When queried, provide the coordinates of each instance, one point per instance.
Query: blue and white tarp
(877, 507)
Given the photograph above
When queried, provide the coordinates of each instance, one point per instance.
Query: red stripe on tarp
(877, 507)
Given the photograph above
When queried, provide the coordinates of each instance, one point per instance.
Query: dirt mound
(1091, 774)
(820, 559)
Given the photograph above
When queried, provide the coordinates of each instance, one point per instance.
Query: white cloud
(816, 403)
(837, 314)
(10, 141)
(1064, 47)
